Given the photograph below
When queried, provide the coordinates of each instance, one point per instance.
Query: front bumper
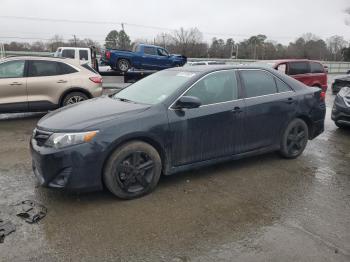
(340, 112)
(74, 168)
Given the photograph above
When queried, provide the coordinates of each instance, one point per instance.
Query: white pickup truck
(81, 54)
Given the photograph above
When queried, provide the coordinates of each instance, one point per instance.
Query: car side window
(258, 83)
(162, 52)
(215, 88)
(281, 86)
(298, 68)
(83, 55)
(316, 67)
(149, 50)
(12, 69)
(43, 68)
(68, 53)
(66, 69)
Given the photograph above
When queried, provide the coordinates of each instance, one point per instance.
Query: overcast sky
(280, 20)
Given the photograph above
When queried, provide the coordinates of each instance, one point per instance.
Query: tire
(123, 175)
(74, 97)
(294, 139)
(123, 65)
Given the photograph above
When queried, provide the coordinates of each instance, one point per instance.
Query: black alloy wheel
(133, 170)
(294, 139)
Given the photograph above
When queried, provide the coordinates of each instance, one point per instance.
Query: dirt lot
(258, 209)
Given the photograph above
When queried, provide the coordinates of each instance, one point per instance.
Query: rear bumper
(317, 129)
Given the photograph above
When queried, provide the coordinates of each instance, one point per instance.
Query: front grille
(347, 100)
(41, 136)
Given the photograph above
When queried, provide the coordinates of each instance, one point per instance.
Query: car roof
(45, 58)
(212, 68)
(278, 61)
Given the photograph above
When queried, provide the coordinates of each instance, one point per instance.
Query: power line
(122, 24)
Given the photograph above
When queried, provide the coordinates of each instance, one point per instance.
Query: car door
(45, 84)
(300, 70)
(215, 128)
(13, 86)
(267, 109)
(149, 58)
(163, 59)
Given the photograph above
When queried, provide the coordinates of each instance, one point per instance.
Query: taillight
(96, 79)
(108, 54)
(323, 96)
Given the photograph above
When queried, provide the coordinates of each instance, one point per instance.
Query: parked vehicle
(309, 72)
(195, 63)
(171, 121)
(45, 83)
(81, 54)
(341, 108)
(339, 82)
(146, 57)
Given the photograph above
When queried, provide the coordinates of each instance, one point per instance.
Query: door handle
(16, 84)
(236, 109)
(61, 81)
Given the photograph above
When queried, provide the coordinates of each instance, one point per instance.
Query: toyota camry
(172, 121)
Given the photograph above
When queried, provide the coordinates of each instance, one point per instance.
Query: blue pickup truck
(145, 57)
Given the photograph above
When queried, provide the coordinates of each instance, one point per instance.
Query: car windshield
(155, 88)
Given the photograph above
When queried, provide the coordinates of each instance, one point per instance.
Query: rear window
(149, 50)
(66, 69)
(297, 68)
(316, 67)
(258, 83)
(68, 53)
(84, 55)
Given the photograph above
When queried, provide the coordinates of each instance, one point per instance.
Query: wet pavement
(262, 208)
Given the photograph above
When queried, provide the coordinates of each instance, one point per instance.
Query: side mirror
(188, 102)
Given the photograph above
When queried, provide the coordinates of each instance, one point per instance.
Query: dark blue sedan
(172, 121)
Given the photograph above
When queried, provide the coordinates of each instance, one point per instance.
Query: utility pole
(236, 51)
(163, 36)
(255, 50)
(75, 40)
(123, 38)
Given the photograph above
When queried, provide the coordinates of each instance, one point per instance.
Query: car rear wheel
(294, 139)
(133, 170)
(123, 65)
(74, 97)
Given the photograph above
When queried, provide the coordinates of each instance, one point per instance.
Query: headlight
(345, 91)
(59, 140)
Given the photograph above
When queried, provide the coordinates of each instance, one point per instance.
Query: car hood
(178, 56)
(88, 113)
(342, 78)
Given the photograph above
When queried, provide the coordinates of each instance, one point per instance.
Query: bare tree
(186, 40)
(335, 44)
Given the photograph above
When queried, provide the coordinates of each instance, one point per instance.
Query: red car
(309, 72)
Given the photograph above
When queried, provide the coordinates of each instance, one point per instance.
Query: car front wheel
(294, 139)
(133, 170)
